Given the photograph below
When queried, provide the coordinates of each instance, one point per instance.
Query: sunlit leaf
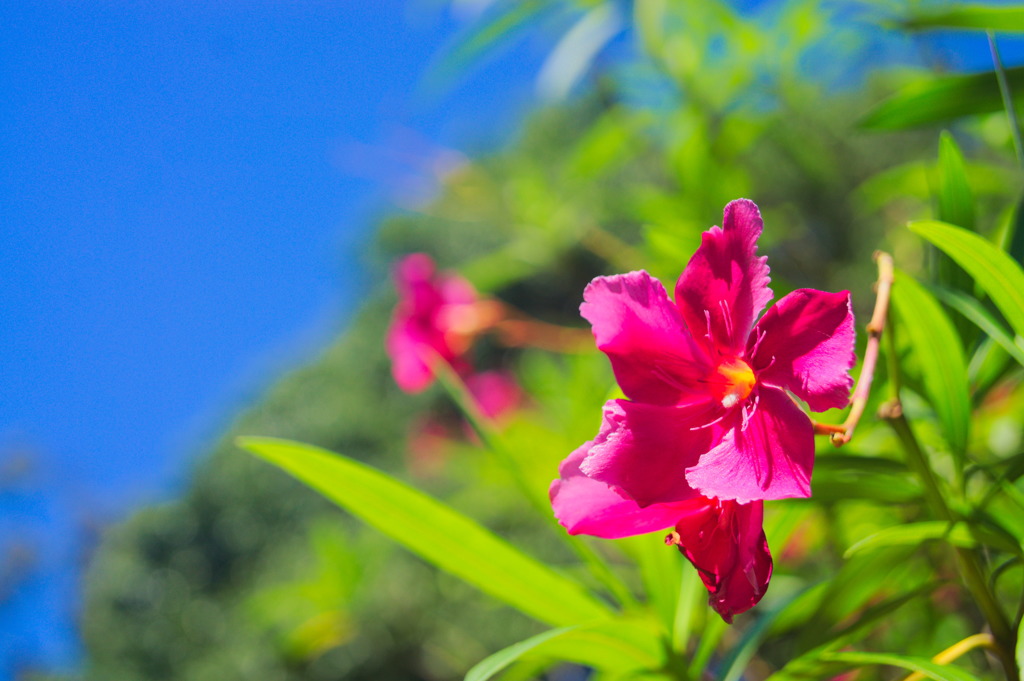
(973, 310)
(955, 199)
(976, 17)
(1015, 242)
(1019, 649)
(913, 534)
(575, 52)
(810, 663)
(925, 666)
(955, 205)
(995, 272)
(660, 571)
(940, 357)
(839, 477)
(937, 100)
(498, 25)
(619, 645)
(736, 659)
(435, 532)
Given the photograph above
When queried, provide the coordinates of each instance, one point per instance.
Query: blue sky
(185, 191)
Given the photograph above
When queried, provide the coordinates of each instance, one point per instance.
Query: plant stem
(967, 560)
(1004, 90)
(841, 434)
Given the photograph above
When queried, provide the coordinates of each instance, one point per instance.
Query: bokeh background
(199, 208)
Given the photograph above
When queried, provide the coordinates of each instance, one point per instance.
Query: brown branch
(841, 434)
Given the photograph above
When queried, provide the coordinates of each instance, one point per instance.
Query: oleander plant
(715, 373)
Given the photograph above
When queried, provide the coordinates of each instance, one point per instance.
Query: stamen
(726, 316)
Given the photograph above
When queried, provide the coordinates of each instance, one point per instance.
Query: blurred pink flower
(434, 316)
(708, 431)
(496, 393)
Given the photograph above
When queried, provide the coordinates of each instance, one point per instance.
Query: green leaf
(842, 477)
(1019, 651)
(661, 570)
(925, 666)
(912, 534)
(619, 645)
(993, 270)
(973, 310)
(938, 100)
(736, 659)
(499, 25)
(971, 17)
(940, 357)
(955, 205)
(493, 664)
(1015, 240)
(435, 532)
(955, 199)
(810, 663)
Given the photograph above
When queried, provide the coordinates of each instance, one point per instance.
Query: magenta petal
(496, 392)
(644, 450)
(804, 343)
(725, 542)
(654, 358)
(585, 506)
(404, 344)
(769, 455)
(725, 283)
(421, 324)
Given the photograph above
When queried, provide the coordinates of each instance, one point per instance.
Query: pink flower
(709, 429)
(708, 412)
(496, 393)
(433, 318)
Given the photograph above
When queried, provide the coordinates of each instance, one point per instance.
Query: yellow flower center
(732, 381)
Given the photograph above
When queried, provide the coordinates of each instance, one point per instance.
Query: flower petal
(404, 344)
(768, 454)
(725, 285)
(653, 355)
(804, 343)
(725, 542)
(644, 450)
(421, 324)
(585, 506)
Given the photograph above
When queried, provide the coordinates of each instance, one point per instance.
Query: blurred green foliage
(251, 575)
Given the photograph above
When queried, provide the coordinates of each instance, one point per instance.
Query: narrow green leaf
(1019, 651)
(925, 666)
(994, 271)
(912, 534)
(435, 532)
(940, 357)
(498, 25)
(842, 477)
(973, 310)
(810, 664)
(661, 569)
(937, 100)
(620, 645)
(955, 199)
(493, 664)
(1015, 240)
(969, 17)
(736, 659)
(955, 205)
